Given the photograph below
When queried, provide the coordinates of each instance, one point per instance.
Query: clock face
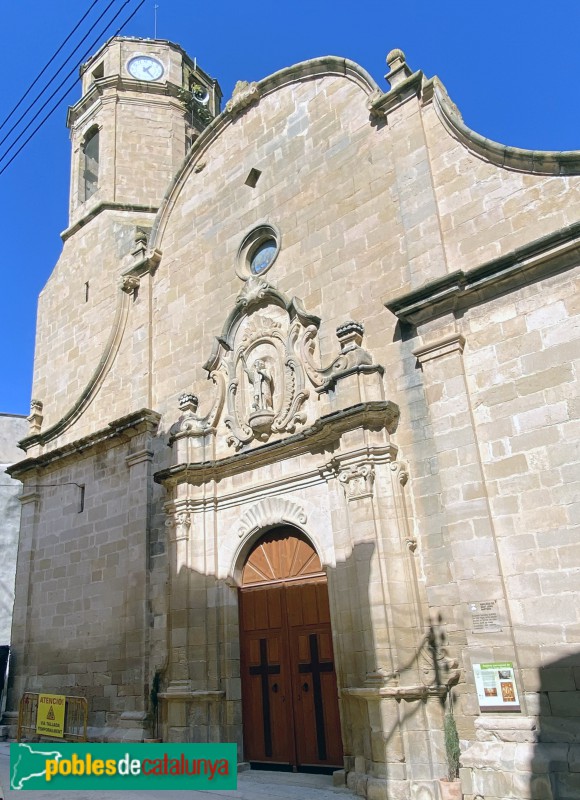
(145, 68)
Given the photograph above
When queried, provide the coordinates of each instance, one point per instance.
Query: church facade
(302, 469)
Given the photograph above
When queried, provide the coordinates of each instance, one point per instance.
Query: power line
(55, 106)
(45, 87)
(49, 62)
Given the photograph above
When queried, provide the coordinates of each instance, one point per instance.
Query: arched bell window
(90, 164)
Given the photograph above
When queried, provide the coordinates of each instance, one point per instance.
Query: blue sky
(511, 67)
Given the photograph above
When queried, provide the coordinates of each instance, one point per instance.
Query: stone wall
(12, 429)
(477, 263)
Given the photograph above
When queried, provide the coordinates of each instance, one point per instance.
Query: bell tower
(144, 102)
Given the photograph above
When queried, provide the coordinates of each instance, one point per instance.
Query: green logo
(122, 766)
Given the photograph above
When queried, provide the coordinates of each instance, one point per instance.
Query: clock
(145, 68)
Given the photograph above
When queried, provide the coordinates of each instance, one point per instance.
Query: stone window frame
(251, 242)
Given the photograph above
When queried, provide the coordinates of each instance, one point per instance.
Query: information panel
(484, 616)
(496, 686)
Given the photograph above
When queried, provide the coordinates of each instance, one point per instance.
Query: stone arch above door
(282, 554)
(264, 516)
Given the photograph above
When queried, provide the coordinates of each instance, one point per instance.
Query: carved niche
(265, 364)
(258, 354)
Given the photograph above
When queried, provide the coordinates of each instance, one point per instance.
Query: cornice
(105, 206)
(459, 290)
(326, 430)
(123, 429)
(118, 83)
(306, 70)
(380, 104)
(535, 162)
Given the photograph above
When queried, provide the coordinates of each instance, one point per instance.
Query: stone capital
(442, 347)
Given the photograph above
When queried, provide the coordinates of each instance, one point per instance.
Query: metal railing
(75, 718)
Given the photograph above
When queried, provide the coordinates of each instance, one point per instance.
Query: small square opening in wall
(253, 177)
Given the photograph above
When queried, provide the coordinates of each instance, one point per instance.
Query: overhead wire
(49, 62)
(46, 86)
(68, 89)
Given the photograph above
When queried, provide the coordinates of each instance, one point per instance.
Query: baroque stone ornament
(244, 93)
(357, 481)
(178, 523)
(353, 358)
(265, 363)
(190, 423)
(271, 511)
(128, 283)
(259, 355)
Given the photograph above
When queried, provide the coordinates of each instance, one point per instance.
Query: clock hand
(147, 69)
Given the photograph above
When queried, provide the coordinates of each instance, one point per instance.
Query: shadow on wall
(204, 653)
(555, 757)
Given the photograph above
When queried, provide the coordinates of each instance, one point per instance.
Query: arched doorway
(289, 691)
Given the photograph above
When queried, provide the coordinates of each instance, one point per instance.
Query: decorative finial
(188, 402)
(398, 68)
(350, 335)
(394, 55)
(36, 417)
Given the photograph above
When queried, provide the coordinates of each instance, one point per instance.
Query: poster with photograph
(496, 686)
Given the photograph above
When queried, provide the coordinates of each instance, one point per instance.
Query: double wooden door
(289, 691)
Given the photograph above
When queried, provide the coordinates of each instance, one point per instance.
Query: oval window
(263, 256)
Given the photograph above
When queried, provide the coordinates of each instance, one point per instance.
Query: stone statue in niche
(262, 384)
(260, 377)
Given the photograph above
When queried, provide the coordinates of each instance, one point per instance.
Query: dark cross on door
(265, 669)
(315, 668)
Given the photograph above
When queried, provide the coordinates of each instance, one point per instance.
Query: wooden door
(266, 692)
(289, 692)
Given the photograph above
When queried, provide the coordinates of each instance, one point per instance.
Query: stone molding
(535, 162)
(417, 691)
(269, 512)
(547, 256)
(442, 347)
(139, 457)
(29, 497)
(326, 430)
(120, 83)
(120, 429)
(106, 205)
(193, 695)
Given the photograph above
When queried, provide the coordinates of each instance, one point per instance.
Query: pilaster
(466, 567)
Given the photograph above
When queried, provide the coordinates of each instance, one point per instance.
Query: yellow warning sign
(50, 715)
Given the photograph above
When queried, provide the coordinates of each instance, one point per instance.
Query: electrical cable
(45, 87)
(49, 62)
(55, 106)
